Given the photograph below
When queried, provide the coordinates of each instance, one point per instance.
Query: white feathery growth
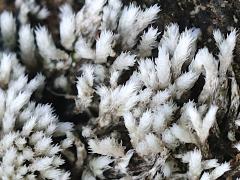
(17, 69)
(142, 140)
(167, 169)
(107, 146)
(126, 22)
(27, 45)
(88, 19)
(51, 173)
(9, 156)
(83, 49)
(44, 119)
(163, 67)
(100, 73)
(2, 103)
(66, 143)
(160, 98)
(138, 131)
(169, 139)
(8, 140)
(95, 6)
(18, 3)
(170, 38)
(145, 122)
(148, 74)
(145, 95)
(132, 21)
(201, 127)
(122, 163)
(8, 29)
(28, 126)
(41, 164)
(153, 143)
(120, 100)
(195, 164)
(43, 13)
(99, 165)
(61, 82)
(30, 7)
(220, 170)
(85, 87)
(46, 46)
(185, 82)
(237, 146)
(124, 61)
(148, 42)
(146, 17)
(209, 164)
(205, 176)
(142, 149)
(182, 51)
(63, 127)
(209, 120)
(111, 14)
(86, 131)
(162, 117)
(196, 33)
(23, 13)
(20, 100)
(237, 122)
(125, 97)
(150, 145)
(205, 60)
(14, 90)
(87, 175)
(182, 134)
(35, 125)
(226, 47)
(67, 26)
(130, 122)
(43, 145)
(104, 46)
(218, 36)
(114, 78)
(5, 68)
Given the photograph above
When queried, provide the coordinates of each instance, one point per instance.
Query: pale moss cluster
(136, 85)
